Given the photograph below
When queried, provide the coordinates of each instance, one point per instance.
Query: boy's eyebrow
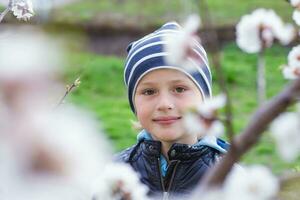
(153, 83)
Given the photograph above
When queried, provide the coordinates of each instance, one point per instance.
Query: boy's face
(160, 100)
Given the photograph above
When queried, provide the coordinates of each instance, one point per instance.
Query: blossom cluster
(49, 152)
(180, 46)
(203, 120)
(245, 183)
(259, 29)
(22, 9)
(119, 181)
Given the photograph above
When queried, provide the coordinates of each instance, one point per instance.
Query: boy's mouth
(166, 120)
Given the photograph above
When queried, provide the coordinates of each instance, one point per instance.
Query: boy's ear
(129, 47)
(136, 125)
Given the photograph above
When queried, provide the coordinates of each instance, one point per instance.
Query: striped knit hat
(148, 53)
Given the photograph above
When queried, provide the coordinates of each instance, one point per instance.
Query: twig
(214, 41)
(242, 143)
(2, 15)
(261, 79)
(69, 88)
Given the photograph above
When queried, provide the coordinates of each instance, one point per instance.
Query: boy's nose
(165, 103)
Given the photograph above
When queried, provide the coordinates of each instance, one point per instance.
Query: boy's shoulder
(127, 154)
(215, 143)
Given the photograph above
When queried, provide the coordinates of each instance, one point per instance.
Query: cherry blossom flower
(208, 108)
(285, 130)
(22, 9)
(295, 3)
(180, 46)
(292, 70)
(247, 183)
(258, 30)
(62, 150)
(296, 16)
(294, 56)
(209, 194)
(29, 61)
(296, 13)
(119, 181)
(27, 45)
(203, 119)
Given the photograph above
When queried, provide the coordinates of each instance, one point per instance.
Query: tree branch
(2, 15)
(242, 143)
(212, 38)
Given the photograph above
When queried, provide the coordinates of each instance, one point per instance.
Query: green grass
(143, 12)
(102, 91)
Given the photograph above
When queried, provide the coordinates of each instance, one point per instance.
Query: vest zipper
(172, 177)
(165, 194)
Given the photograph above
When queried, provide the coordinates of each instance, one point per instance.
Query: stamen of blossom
(119, 181)
(285, 130)
(180, 46)
(258, 30)
(255, 182)
(203, 120)
(22, 9)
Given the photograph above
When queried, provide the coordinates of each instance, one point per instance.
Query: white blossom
(255, 182)
(294, 57)
(61, 149)
(26, 51)
(209, 194)
(58, 147)
(22, 9)
(119, 180)
(209, 107)
(29, 62)
(202, 121)
(216, 129)
(296, 17)
(193, 123)
(258, 30)
(295, 3)
(285, 34)
(292, 70)
(180, 46)
(285, 130)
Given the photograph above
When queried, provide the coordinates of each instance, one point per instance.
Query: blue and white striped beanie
(148, 54)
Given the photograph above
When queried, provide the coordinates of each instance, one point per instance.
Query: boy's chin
(170, 137)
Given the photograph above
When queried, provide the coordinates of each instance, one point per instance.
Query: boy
(168, 158)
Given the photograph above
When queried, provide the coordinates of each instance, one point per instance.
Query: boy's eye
(179, 89)
(148, 92)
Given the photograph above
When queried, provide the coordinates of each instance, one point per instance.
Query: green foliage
(157, 11)
(102, 91)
